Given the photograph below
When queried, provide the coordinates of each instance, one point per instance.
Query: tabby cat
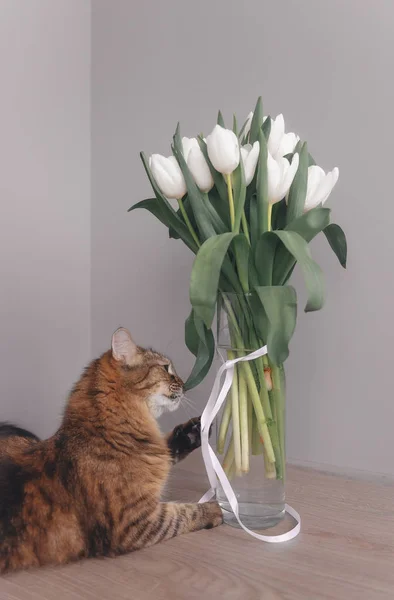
(93, 489)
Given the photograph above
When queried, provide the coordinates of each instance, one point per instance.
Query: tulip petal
(250, 157)
(274, 175)
(276, 134)
(289, 175)
(248, 123)
(223, 150)
(199, 169)
(315, 177)
(326, 186)
(187, 145)
(287, 144)
(168, 176)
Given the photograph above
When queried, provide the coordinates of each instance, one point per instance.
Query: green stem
(244, 425)
(282, 417)
(230, 200)
(257, 446)
(235, 415)
(270, 470)
(251, 384)
(188, 223)
(224, 425)
(230, 471)
(277, 396)
(269, 217)
(261, 420)
(229, 456)
(245, 226)
(251, 423)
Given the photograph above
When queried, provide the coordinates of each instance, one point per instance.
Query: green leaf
(280, 306)
(220, 120)
(153, 206)
(297, 193)
(279, 211)
(310, 223)
(191, 336)
(260, 319)
(221, 208)
(239, 186)
(177, 138)
(264, 257)
(243, 138)
(253, 275)
(262, 185)
(201, 343)
(311, 160)
(205, 275)
(220, 184)
(337, 240)
(168, 213)
(257, 122)
(241, 252)
(307, 226)
(172, 233)
(267, 127)
(298, 147)
(216, 220)
(253, 220)
(235, 125)
(312, 273)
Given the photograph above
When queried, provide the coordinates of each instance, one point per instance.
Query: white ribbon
(212, 465)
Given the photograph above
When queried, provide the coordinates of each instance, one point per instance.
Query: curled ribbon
(212, 465)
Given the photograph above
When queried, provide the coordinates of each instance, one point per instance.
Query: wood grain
(345, 551)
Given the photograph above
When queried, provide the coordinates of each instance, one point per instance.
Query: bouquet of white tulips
(249, 203)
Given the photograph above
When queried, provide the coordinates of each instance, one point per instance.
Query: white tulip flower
(248, 124)
(168, 176)
(187, 145)
(250, 157)
(199, 169)
(279, 142)
(320, 186)
(280, 176)
(223, 150)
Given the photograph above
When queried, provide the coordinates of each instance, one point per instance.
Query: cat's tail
(7, 430)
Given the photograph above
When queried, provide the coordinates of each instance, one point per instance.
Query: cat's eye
(169, 368)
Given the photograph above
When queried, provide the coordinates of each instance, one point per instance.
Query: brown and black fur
(93, 489)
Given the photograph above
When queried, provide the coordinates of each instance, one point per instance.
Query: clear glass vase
(250, 428)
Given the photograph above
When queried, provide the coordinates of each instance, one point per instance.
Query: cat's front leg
(184, 439)
(165, 521)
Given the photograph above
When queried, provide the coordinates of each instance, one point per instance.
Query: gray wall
(45, 206)
(326, 66)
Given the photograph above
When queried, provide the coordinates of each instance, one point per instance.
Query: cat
(93, 489)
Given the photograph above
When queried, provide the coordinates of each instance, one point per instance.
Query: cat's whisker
(188, 413)
(188, 403)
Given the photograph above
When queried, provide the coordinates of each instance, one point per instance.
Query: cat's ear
(123, 347)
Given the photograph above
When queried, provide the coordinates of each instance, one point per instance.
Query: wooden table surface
(345, 551)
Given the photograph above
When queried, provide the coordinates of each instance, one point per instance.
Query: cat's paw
(185, 438)
(192, 429)
(188, 435)
(213, 514)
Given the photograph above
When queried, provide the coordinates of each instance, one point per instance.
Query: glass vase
(250, 428)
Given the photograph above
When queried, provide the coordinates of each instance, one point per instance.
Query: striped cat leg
(184, 439)
(168, 520)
